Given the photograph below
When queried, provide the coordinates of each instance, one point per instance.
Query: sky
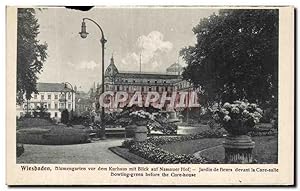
(157, 34)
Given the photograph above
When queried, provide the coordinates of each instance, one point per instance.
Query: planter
(238, 149)
(129, 130)
(141, 122)
(140, 134)
(236, 128)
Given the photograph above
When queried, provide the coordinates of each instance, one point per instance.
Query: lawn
(265, 150)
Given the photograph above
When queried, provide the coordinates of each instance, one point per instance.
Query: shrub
(41, 112)
(20, 149)
(65, 116)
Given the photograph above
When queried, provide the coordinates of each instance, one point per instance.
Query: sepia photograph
(104, 87)
(149, 85)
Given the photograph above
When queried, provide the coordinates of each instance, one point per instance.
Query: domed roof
(111, 70)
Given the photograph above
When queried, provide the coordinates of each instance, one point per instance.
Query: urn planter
(238, 149)
(140, 133)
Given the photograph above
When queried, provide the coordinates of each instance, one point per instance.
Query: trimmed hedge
(20, 149)
(54, 135)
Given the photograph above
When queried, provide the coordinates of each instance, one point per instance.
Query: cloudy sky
(156, 33)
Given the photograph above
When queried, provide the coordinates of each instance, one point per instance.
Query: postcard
(150, 95)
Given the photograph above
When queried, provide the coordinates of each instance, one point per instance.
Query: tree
(235, 56)
(31, 54)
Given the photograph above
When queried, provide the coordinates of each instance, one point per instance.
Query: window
(49, 105)
(157, 88)
(56, 96)
(133, 81)
(55, 114)
(70, 96)
(61, 105)
(118, 88)
(35, 96)
(164, 81)
(69, 106)
(126, 81)
(149, 89)
(49, 96)
(148, 81)
(155, 82)
(55, 106)
(42, 97)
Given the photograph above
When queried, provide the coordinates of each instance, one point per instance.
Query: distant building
(131, 82)
(175, 68)
(54, 96)
(84, 104)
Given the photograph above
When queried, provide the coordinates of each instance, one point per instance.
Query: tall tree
(31, 54)
(235, 56)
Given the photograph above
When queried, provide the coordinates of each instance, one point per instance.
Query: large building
(55, 97)
(131, 82)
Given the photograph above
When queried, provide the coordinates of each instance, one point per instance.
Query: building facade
(84, 103)
(143, 82)
(55, 97)
(131, 82)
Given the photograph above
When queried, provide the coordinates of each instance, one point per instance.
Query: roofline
(146, 73)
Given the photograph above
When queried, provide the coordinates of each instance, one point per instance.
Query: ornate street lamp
(83, 35)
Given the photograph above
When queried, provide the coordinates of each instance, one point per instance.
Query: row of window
(48, 106)
(140, 81)
(139, 88)
(50, 96)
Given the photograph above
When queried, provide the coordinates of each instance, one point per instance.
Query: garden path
(90, 153)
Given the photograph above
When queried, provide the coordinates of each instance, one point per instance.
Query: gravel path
(90, 153)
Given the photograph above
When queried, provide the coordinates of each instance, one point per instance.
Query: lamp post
(72, 91)
(84, 34)
(64, 112)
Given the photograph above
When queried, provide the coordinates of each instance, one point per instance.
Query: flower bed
(150, 150)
